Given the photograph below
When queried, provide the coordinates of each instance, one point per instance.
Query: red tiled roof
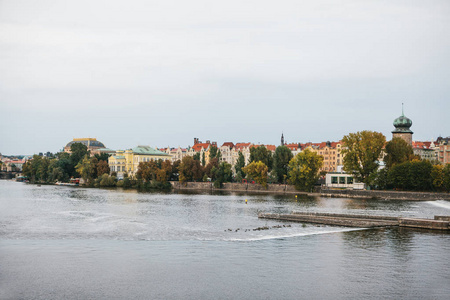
(228, 144)
(198, 147)
(421, 145)
(240, 146)
(270, 147)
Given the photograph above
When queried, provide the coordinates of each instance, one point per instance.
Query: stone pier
(362, 221)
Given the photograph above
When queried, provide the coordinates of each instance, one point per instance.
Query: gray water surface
(75, 243)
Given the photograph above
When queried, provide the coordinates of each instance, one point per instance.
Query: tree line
(63, 166)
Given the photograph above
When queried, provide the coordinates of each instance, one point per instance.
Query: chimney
(195, 141)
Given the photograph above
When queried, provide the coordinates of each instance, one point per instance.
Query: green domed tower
(402, 125)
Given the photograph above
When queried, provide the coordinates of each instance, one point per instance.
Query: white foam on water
(273, 237)
(440, 203)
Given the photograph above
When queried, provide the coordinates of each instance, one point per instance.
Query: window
(349, 180)
(341, 180)
(334, 179)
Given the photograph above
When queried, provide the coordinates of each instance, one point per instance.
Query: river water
(76, 243)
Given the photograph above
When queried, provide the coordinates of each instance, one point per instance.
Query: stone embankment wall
(391, 195)
(237, 187)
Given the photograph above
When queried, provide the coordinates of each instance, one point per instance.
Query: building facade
(128, 161)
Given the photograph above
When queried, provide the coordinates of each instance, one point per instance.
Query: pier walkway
(362, 221)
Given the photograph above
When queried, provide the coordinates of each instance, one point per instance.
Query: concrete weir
(363, 221)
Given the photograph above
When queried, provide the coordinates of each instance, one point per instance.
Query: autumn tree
(397, 151)
(281, 159)
(86, 169)
(261, 153)
(190, 170)
(147, 170)
(304, 170)
(102, 168)
(257, 170)
(361, 153)
(213, 163)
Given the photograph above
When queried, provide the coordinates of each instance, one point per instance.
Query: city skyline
(160, 74)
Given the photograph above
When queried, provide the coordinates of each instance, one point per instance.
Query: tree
(86, 168)
(397, 151)
(102, 156)
(78, 151)
(240, 163)
(196, 156)
(437, 177)
(203, 159)
(412, 175)
(361, 153)
(262, 154)
(257, 170)
(213, 163)
(281, 159)
(222, 174)
(214, 152)
(304, 170)
(147, 170)
(190, 169)
(102, 168)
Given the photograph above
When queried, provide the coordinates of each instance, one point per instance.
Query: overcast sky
(160, 73)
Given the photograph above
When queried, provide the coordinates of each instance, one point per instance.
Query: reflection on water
(64, 242)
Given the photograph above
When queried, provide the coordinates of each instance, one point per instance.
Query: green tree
(281, 159)
(102, 156)
(261, 153)
(446, 183)
(257, 171)
(222, 173)
(397, 151)
(203, 159)
(214, 152)
(78, 151)
(412, 175)
(361, 153)
(196, 156)
(240, 163)
(304, 170)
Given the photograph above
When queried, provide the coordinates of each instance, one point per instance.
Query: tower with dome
(402, 128)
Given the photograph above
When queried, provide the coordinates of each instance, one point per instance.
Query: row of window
(341, 180)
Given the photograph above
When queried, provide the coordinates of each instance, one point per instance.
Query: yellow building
(128, 161)
(331, 152)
